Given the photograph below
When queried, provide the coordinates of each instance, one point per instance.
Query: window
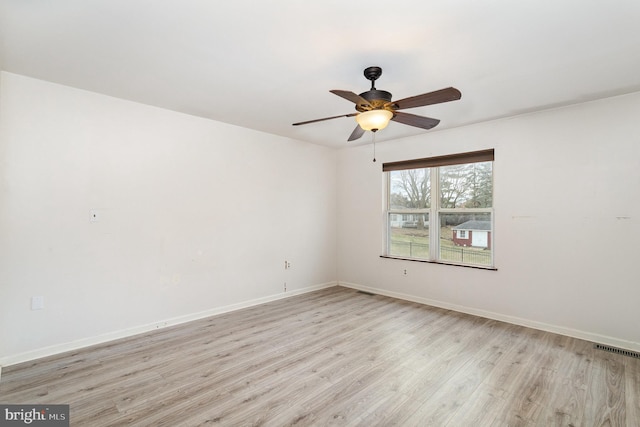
(440, 209)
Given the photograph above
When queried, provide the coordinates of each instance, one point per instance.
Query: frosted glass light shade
(374, 119)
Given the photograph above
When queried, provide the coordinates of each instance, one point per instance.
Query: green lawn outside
(414, 243)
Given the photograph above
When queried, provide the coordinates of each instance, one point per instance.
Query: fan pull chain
(374, 146)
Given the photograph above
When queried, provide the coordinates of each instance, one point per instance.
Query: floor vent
(628, 353)
(366, 293)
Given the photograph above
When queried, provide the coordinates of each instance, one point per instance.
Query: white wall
(194, 216)
(197, 216)
(567, 228)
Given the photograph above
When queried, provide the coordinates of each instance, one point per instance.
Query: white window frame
(435, 211)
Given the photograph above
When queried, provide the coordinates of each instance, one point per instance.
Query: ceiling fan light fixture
(374, 120)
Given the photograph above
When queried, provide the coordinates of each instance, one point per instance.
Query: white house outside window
(440, 209)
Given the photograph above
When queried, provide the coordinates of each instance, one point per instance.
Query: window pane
(409, 235)
(466, 238)
(410, 189)
(466, 186)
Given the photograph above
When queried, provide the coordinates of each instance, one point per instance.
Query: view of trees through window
(466, 186)
(463, 213)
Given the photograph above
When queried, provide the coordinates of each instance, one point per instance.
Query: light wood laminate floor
(337, 357)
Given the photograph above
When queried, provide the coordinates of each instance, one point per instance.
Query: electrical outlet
(287, 265)
(285, 286)
(404, 272)
(37, 303)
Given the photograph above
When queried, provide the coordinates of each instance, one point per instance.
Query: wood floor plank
(574, 369)
(606, 402)
(526, 394)
(632, 391)
(336, 357)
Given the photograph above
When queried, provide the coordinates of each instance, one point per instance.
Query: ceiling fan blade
(437, 97)
(326, 118)
(350, 96)
(356, 134)
(413, 120)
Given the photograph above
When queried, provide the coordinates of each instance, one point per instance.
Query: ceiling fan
(375, 107)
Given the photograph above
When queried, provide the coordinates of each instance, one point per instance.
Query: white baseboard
(87, 342)
(587, 336)
(124, 333)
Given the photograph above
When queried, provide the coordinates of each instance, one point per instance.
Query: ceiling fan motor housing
(377, 99)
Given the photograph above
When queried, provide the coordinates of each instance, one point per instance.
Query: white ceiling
(266, 64)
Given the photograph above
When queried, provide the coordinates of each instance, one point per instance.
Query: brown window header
(450, 159)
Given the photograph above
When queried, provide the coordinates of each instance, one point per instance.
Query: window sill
(478, 267)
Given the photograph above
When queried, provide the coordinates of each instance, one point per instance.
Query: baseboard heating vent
(366, 293)
(623, 352)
